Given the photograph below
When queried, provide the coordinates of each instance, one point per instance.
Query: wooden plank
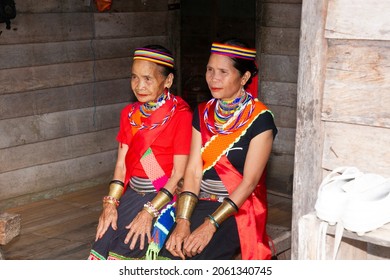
(51, 6)
(50, 176)
(108, 25)
(284, 142)
(356, 145)
(65, 98)
(36, 54)
(30, 28)
(66, 74)
(280, 41)
(278, 68)
(278, 93)
(21, 247)
(358, 83)
(59, 226)
(379, 236)
(23, 199)
(369, 21)
(67, 6)
(64, 148)
(284, 116)
(309, 131)
(283, 1)
(32, 129)
(280, 173)
(376, 252)
(309, 227)
(84, 198)
(281, 15)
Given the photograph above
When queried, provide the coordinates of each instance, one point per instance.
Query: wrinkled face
(223, 79)
(147, 80)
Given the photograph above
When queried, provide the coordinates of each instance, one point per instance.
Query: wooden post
(309, 131)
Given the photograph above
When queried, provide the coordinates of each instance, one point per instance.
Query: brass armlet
(186, 204)
(116, 189)
(161, 199)
(225, 210)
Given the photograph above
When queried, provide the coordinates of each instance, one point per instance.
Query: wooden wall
(278, 42)
(344, 88)
(64, 77)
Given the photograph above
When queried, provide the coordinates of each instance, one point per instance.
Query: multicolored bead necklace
(228, 116)
(149, 107)
(224, 110)
(135, 115)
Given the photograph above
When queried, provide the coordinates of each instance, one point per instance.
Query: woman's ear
(169, 80)
(245, 78)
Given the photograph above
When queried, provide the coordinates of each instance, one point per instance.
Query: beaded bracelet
(111, 200)
(151, 209)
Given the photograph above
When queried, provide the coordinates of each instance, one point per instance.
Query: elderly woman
(222, 209)
(154, 144)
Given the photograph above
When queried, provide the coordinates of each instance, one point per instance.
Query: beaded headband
(154, 56)
(233, 51)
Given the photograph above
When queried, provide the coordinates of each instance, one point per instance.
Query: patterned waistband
(212, 197)
(141, 185)
(215, 187)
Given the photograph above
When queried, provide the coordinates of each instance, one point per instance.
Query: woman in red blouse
(154, 143)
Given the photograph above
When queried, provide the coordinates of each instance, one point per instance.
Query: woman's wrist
(162, 198)
(211, 223)
(186, 205)
(224, 211)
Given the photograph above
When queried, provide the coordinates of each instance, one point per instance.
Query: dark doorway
(202, 23)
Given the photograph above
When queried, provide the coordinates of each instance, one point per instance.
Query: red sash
(252, 216)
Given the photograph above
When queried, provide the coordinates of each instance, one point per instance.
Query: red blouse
(175, 139)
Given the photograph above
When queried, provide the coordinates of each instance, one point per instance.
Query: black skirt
(225, 243)
(112, 242)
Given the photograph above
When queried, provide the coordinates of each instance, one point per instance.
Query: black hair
(165, 69)
(242, 65)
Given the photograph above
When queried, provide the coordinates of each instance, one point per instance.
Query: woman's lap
(225, 242)
(113, 240)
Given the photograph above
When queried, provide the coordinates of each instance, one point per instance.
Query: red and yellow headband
(154, 56)
(233, 51)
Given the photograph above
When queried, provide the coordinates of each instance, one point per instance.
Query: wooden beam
(357, 86)
(37, 128)
(309, 131)
(357, 145)
(358, 19)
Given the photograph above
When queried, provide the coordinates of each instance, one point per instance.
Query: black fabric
(7, 11)
(225, 243)
(237, 154)
(113, 240)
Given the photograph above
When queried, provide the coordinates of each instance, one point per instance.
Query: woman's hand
(109, 216)
(199, 239)
(175, 242)
(140, 227)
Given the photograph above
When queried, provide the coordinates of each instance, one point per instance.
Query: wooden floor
(63, 228)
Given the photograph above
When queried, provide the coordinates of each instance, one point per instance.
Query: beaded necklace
(224, 110)
(137, 123)
(228, 116)
(148, 108)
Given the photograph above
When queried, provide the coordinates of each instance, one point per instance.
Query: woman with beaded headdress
(154, 143)
(222, 209)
